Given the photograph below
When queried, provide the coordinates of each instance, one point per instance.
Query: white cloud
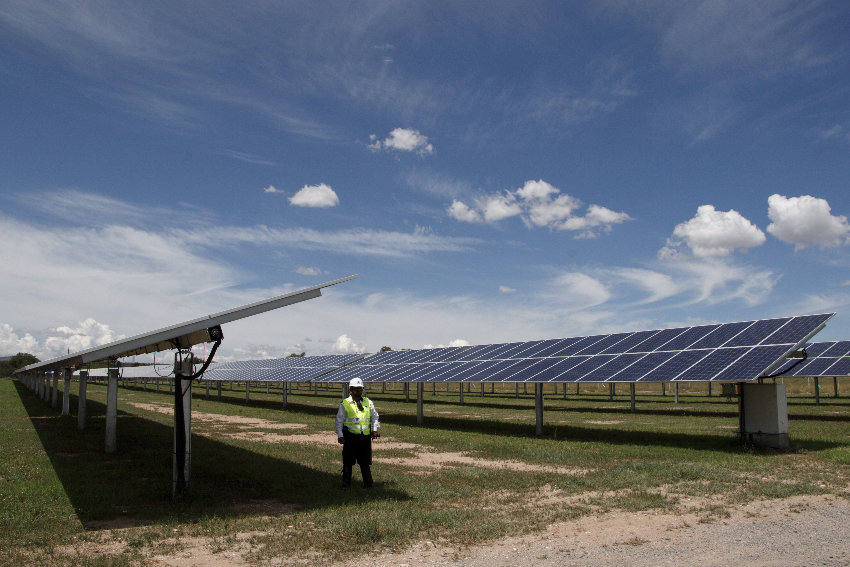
(272, 189)
(460, 211)
(581, 290)
(11, 343)
(713, 233)
(403, 140)
(309, 271)
(344, 345)
(806, 221)
(315, 196)
(539, 204)
(658, 286)
(506, 289)
(499, 207)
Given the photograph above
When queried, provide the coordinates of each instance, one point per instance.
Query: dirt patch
(796, 531)
(427, 461)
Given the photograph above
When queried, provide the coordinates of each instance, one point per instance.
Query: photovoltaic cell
(719, 336)
(626, 344)
(714, 363)
(757, 332)
(799, 328)
(604, 343)
(674, 366)
(687, 338)
(611, 369)
(841, 348)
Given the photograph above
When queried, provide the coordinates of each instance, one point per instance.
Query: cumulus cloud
(539, 204)
(713, 233)
(806, 221)
(402, 140)
(320, 195)
(272, 189)
(460, 211)
(58, 341)
(12, 343)
(345, 345)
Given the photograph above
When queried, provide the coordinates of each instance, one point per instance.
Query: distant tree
(386, 349)
(20, 360)
(293, 355)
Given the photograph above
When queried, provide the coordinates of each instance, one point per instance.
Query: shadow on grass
(727, 441)
(133, 485)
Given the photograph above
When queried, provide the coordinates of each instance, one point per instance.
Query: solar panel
(822, 359)
(738, 351)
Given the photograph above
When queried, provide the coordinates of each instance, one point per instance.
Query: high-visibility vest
(357, 420)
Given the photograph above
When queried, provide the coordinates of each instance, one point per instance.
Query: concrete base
(764, 415)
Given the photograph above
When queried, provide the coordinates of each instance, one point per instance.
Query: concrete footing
(764, 415)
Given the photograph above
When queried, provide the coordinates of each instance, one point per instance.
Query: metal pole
(420, 390)
(111, 410)
(66, 392)
(632, 392)
(538, 406)
(81, 400)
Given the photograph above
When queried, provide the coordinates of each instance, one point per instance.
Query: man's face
(356, 392)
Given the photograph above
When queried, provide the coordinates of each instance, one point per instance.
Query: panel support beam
(420, 394)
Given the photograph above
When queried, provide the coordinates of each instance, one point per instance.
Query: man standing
(356, 425)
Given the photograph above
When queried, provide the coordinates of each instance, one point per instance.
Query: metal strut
(179, 415)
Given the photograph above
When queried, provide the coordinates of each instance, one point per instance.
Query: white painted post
(81, 400)
(111, 410)
(66, 392)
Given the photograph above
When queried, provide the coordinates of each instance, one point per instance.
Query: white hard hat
(355, 383)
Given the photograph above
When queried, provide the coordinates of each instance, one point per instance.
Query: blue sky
(493, 171)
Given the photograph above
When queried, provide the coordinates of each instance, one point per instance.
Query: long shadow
(133, 485)
(704, 442)
(722, 441)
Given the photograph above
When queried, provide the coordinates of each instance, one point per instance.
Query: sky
(492, 171)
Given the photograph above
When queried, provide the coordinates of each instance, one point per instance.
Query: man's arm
(374, 423)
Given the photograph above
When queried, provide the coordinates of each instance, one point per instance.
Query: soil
(799, 531)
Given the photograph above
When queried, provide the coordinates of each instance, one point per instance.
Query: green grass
(60, 491)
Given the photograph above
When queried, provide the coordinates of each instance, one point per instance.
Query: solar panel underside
(728, 352)
(291, 369)
(822, 359)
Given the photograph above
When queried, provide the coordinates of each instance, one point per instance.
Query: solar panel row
(738, 351)
(290, 369)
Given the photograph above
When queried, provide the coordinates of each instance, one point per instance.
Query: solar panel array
(290, 369)
(731, 352)
(822, 359)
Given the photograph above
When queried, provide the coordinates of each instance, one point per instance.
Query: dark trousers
(356, 449)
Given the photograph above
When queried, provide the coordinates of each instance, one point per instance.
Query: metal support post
(81, 400)
(111, 410)
(632, 393)
(538, 406)
(66, 391)
(420, 390)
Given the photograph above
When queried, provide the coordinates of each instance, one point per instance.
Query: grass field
(473, 472)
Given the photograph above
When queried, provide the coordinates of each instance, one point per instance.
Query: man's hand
(340, 440)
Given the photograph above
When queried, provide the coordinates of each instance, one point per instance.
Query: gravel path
(799, 531)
